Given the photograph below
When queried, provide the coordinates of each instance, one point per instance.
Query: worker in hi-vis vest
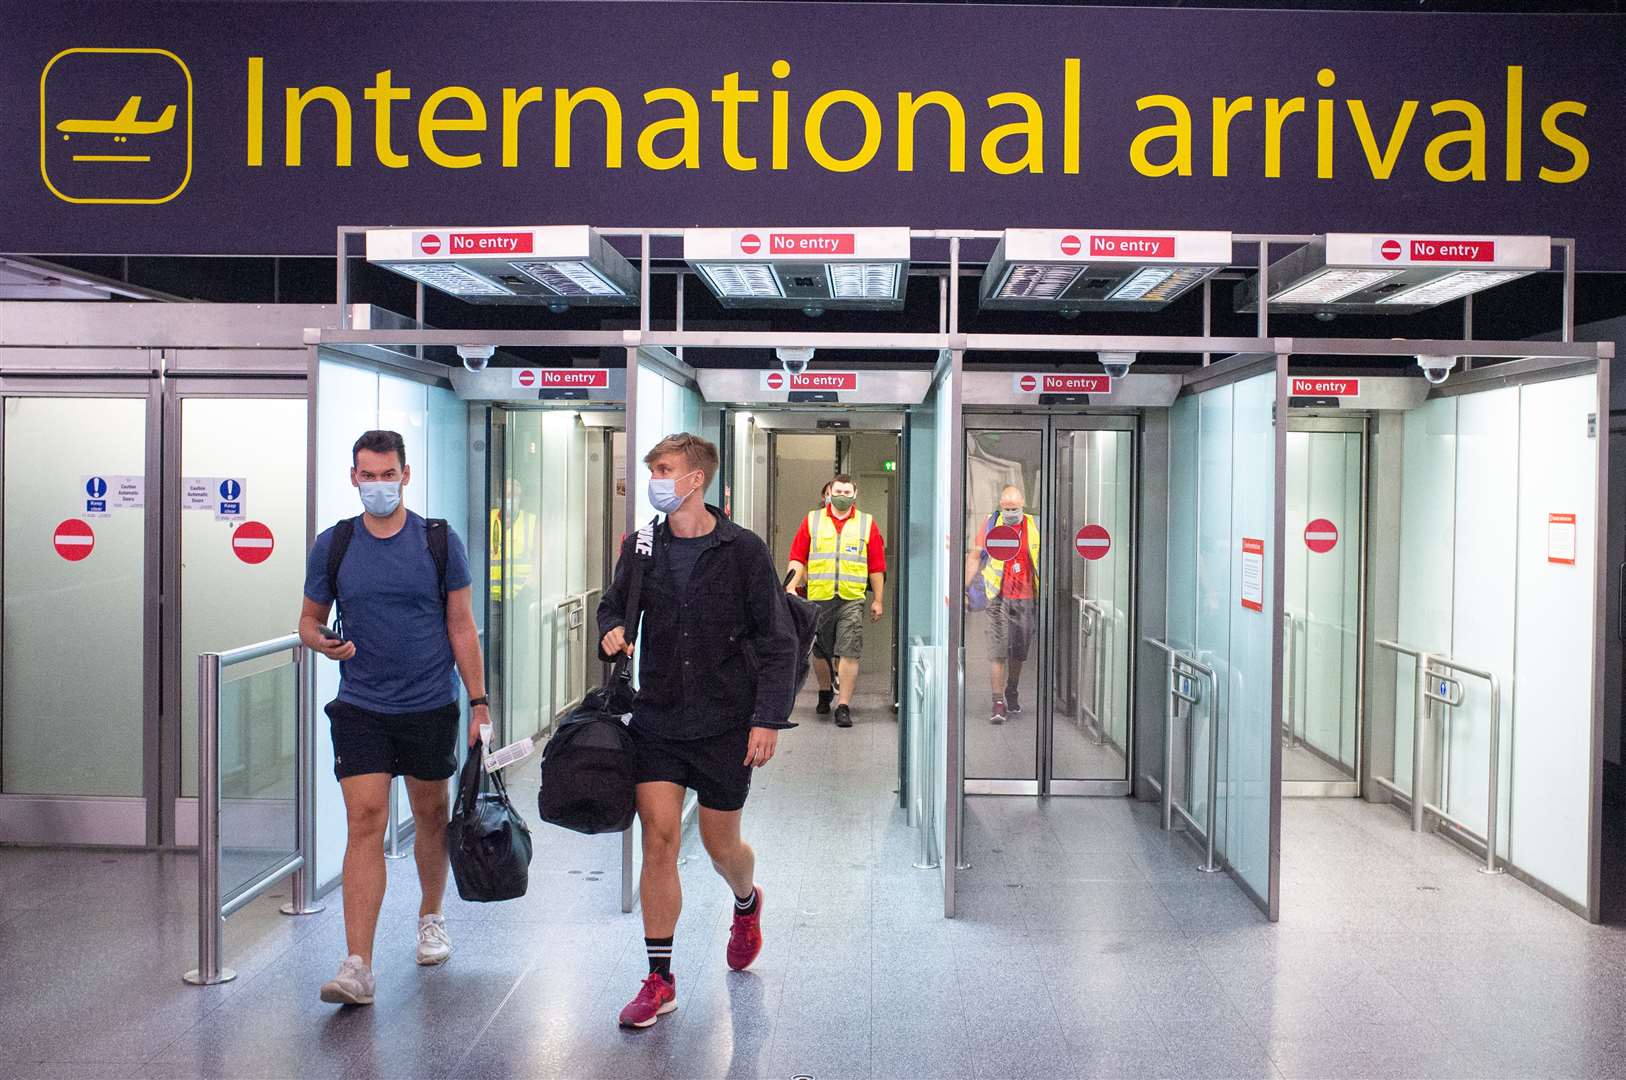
(1010, 591)
(513, 530)
(838, 552)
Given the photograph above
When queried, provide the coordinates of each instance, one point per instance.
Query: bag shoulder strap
(643, 553)
(439, 539)
(344, 531)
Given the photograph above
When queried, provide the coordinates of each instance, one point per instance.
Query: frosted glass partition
(82, 616)
(353, 396)
(1498, 571)
(1222, 609)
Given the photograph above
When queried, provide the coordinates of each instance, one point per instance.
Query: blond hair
(699, 453)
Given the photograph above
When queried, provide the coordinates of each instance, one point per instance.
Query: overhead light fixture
(1393, 273)
(559, 266)
(1067, 271)
(809, 269)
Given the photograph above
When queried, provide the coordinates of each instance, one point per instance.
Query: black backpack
(345, 530)
(804, 619)
(488, 842)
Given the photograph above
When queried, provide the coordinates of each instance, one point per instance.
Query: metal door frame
(106, 820)
(1047, 424)
(1353, 424)
(177, 389)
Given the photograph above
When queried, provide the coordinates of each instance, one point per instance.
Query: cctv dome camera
(476, 357)
(1117, 364)
(794, 360)
(1436, 368)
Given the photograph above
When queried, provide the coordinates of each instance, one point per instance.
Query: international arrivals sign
(257, 127)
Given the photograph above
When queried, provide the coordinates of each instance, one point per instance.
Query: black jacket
(720, 656)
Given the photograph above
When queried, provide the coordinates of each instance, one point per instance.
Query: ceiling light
(1036, 282)
(742, 280)
(1331, 285)
(569, 278)
(1154, 284)
(451, 278)
(863, 281)
(1451, 286)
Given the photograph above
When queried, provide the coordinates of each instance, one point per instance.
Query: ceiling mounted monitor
(560, 266)
(1068, 270)
(812, 269)
(1393, 273)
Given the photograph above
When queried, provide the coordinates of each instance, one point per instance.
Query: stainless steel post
(1210, 866)
(1292, 681)
(210, 922)
(302, 900)
(1170, 707)
(1493, 797)
(1422, 710)
(392, 827)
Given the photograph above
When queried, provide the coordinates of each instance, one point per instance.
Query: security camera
(476, 357)
(794, 360)
(1117, 363)
(1436, 368)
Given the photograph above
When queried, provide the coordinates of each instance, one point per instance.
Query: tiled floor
(1086, 945)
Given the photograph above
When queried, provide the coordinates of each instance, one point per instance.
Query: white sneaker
(434, 945)
(353, 985)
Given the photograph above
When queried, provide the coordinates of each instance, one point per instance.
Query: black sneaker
(825, 697)
(1012, 705)
(844, 716)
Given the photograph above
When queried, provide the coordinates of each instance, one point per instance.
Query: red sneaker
(656, 998)
(745, 940)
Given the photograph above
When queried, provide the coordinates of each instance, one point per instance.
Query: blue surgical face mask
(663, 494)
(1011, 517)
(380, 497)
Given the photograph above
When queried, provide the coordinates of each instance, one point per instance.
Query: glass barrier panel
(259, 708)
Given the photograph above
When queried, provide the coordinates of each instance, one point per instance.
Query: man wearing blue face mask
(1011, 587)
(402, 585)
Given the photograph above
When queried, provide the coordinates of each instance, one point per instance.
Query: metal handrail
(213, 910)
(1191, 669)
(1432, 669)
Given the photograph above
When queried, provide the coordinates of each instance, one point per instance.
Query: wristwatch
(476, 702)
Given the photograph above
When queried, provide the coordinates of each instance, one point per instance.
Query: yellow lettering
(1323, 129)
(383, 95)
(1276, 114)
(564, 105)
(429, 124)
(1030, 128)
(1473, 135)
(781, 118)
(1515, 123)
(1381, 163)
(731, 97)
(1564, 141)
(293, 153)
(812, 130)
(687, 125)
(1179, 131)
(909, 107)
(1224, 113)
(513, 103)
(1070, 115)
(256, 110)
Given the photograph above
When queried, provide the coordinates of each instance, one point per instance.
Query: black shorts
(422, 745)
(714, 766)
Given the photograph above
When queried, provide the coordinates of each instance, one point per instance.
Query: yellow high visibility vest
(518, 540)
(993, 571)
(832, 573)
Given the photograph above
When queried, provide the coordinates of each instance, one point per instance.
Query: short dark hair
(843, 478)
(380, 442)
(697, 452)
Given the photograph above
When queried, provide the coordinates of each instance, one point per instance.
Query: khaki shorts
(1012, 625)
(840, 630)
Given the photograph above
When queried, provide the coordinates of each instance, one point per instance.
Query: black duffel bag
(589, 780)
(489, 843)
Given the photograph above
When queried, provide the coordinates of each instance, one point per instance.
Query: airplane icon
(123, 125)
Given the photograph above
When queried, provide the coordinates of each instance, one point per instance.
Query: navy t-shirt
(390, 597)
(681, 556)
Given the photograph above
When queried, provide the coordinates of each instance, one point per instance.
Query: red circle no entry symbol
(776, 381)
(1028, 384)
(1390, 249)
(430, 244)
(750, 243)
(253, 542)
(1093, 542)
(1321, 536)
(527, 377)
(1071, 245)
(1002, 542)
(74, 540)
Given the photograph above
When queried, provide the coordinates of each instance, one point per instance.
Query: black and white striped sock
(746, 905)
(660, 955)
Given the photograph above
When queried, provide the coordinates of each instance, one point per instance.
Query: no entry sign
(1093, 542)
(1321, 536)
(253, 542)
(74, 540)
(1002, 542)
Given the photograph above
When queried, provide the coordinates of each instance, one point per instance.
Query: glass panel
(227, 602)
(1002, 468)
(921, 709)
(526, 612)
(259, 705)
(1092, 622)
(1182, 588)
(1216, 552)
(947, 792)
(82, 616)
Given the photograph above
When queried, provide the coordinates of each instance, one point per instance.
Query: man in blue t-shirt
(403, 628)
